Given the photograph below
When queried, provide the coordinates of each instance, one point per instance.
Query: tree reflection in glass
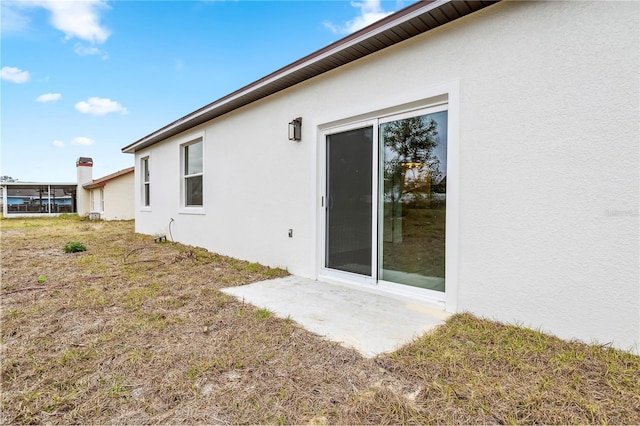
(413, 210)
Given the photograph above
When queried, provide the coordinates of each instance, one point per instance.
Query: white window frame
(145, 196)
(93, 201)
(102, 199)
(184, 143)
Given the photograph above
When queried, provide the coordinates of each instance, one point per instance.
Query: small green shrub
(74, 247)
(42, 279)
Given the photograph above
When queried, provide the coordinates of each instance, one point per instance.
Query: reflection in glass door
(348, 242)
(412, 201)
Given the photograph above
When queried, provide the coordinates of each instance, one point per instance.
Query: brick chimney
(84, 168)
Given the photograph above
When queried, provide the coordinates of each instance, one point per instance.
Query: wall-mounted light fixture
(295, 129)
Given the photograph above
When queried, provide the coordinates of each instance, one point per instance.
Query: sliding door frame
(438, 98)
(334, 273)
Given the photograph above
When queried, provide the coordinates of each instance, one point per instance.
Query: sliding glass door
(349, 198)
(386, 194)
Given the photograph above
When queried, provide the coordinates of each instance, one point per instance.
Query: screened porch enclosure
(21, 199)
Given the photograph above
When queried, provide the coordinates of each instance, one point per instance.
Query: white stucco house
(478, 156)
(110, 197)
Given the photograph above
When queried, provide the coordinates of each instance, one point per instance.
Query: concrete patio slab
(368, 322)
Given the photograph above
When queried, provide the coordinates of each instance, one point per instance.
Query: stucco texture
(546, 127)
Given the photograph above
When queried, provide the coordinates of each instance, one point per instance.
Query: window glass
(146, 193)
(193, 158)
(193, 174)
(193, 190)
(413, 186)
(145, 167)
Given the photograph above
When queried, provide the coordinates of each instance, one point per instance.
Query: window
(146, 183)
(97, 200)
(94, 206)
(192, 174)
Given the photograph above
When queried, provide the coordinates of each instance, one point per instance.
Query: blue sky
(85, 78)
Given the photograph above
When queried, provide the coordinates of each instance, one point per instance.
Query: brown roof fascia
(97, 183)
(330, 47)
(195, 118)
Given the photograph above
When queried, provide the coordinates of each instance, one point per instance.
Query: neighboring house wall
(119, 198)
(543, 134)
(112, 197)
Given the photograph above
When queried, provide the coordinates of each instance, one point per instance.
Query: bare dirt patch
(133, 331)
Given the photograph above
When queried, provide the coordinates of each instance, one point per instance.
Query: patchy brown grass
(479, 371)
(132, 331)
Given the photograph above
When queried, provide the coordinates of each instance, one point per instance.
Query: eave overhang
(409, 22)
(98, 183)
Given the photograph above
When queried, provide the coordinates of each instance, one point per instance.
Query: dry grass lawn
(133, 331)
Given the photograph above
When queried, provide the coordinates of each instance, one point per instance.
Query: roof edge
(385, 24)
(97, 183)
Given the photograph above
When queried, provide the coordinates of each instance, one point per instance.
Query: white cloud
(15, 75)
(87, 51)
(80, 19)
(11, 20)
(82, 141)
(58, 144)
(370, 12)
(48, 97)
(100, 106)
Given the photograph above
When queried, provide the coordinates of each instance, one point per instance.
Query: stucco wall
(83, 197)
(549, 157)
(119, 198)
(548, 168)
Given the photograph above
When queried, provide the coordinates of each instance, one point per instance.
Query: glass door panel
(349, 196)
(412, 206)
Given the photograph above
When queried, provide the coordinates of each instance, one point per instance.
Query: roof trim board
(97, 183)
(400, 26)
